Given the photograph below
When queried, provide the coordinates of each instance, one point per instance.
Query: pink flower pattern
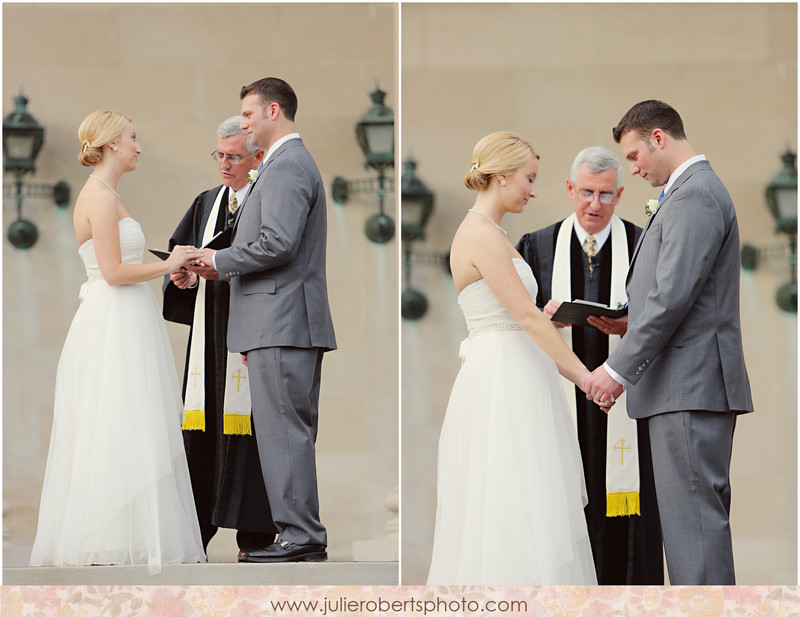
(249, 601)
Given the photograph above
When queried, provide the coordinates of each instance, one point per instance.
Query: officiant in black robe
(576, 259)
(225, 469)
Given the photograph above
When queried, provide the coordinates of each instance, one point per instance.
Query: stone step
(303, 573)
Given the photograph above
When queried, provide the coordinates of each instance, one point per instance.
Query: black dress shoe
(282, 551)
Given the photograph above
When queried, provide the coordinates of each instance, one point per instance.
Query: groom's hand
(602, 388)
(204, 266)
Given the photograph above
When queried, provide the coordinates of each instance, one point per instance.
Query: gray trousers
(284, 392)
(691, 464)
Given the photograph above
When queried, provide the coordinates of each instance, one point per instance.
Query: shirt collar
(680, 169)
(241, 193)
(277, 145)
(600, 237)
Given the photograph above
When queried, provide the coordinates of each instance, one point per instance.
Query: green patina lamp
(416, 207)
(781, 196)
(375, 136)
(22, 140)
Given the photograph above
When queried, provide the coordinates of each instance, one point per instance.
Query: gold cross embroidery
(238, 377)
(622, 449)
(196, 373)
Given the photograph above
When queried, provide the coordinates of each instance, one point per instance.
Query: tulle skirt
(116, 487)
(510, 480)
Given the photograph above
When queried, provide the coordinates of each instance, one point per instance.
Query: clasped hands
(202, 265)
(603, 389)
(599, 387)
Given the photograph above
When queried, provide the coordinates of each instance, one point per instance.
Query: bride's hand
(606, 406)
(583, 379)
(182, 256)
(183, 279)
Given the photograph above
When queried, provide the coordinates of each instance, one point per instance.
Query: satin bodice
(483, 311)
(131, 244)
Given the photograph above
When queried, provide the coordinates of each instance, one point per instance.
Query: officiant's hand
(603, 389)
(183, 279)
(204, 266)
(549, 309)
(609, 325)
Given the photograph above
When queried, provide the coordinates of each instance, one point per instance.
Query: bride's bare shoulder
(475, 246)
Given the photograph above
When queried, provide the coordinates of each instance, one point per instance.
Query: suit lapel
(261, 174)
(675, 186)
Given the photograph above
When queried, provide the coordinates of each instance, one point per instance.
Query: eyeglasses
(605, 198)
(232, 158)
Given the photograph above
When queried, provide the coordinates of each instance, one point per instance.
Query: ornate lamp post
(22, 140)
(375, 136)
(781, 196)
(416, 206)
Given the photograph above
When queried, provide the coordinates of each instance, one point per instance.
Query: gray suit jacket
(279, 293)
(683, 349)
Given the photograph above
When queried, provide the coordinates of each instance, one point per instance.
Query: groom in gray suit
(682, 355)
(279, 315)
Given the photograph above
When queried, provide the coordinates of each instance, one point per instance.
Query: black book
(222, 240)
(576, 312)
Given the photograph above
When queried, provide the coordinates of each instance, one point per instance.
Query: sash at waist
(85, 287)
(501, 326)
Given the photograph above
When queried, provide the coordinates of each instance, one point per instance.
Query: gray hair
(230, 128)
(596, 159)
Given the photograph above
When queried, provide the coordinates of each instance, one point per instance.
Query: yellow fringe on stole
(622, 504)
(236, 424)
(194, 420)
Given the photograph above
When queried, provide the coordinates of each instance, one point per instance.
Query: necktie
(590, 248)
(660, 197)
(233, 204)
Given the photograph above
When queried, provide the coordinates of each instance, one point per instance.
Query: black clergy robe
(627, 550)
(225, 470)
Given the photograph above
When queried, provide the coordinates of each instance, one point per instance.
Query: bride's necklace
(104, 182)
(484, 216)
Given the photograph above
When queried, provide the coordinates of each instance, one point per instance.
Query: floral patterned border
(253, 601)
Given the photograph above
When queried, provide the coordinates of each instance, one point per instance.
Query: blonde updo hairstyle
(98, 129)
(497, 153)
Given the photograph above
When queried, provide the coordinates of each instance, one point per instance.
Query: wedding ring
(613, 400)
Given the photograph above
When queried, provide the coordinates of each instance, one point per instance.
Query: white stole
(236, 408)
(622, 456)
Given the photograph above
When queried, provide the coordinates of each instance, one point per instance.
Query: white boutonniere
(651, 207)
(252, 175)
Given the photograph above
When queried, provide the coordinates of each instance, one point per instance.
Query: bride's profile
(510, 490)
(116, 487)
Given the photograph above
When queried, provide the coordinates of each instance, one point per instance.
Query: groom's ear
(658, 138)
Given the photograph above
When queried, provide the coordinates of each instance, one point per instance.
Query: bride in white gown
(510, 480)
(116, 487)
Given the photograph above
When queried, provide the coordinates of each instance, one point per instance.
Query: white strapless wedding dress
(510, 480)
(116, 488)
